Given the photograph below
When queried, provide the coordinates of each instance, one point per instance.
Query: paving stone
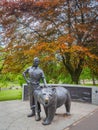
(13, 116)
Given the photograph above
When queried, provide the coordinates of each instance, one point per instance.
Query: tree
(66, 28)
(72, 29)
(20, 27)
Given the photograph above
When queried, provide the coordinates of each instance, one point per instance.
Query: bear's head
(47, 96)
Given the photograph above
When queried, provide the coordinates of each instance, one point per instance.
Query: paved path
(89, 122)
(13, 116)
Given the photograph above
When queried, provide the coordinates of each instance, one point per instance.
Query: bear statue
(51, 98)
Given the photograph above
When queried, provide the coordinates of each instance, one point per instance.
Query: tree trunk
(74, 72)
(75, 78)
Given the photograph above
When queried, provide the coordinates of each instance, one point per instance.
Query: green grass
(10, 95)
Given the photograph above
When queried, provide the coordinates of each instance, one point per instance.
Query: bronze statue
(33, 75)
(51, 99)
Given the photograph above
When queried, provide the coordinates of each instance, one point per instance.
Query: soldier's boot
(37, 116)
(31, 114)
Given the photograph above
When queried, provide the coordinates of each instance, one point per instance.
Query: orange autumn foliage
(48, 28)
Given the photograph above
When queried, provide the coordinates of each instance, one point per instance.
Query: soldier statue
(33, 75)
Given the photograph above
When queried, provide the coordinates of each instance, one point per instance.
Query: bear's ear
(54, 90)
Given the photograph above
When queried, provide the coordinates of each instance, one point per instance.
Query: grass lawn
(10, 94)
